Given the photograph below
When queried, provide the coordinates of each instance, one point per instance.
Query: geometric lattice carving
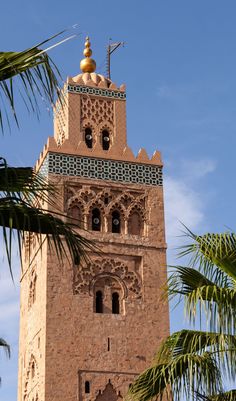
(60, 127)
(100, 169)
(97, 110)
(86, 276)
(95, 91)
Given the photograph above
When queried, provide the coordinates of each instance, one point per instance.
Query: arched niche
(75, 215)
(135, 223)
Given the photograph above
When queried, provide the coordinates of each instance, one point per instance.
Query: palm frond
(218, 304)
(5, 346)
(18, 215)
(197, 342)
(182, 376)
(24, 183)
(224, 396)
(35, 73)
(213, 253)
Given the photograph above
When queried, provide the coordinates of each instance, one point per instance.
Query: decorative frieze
(88, 90)
(86, 276)
(101, 169)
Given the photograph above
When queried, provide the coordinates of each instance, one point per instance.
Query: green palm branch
(176, 372)
(226, 396)
(216, 299)
(206, 285)
(5, 346)
(35, 74)
(24, 183)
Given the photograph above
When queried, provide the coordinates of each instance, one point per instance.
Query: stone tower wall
(70, 350)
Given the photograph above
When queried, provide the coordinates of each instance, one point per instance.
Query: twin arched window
(99, 307)
(105, 138)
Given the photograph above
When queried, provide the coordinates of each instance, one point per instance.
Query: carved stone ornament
(86, 276)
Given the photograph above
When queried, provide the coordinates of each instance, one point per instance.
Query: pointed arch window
(96, 220)
(105, 140)
(135, 223)
(99, 302)
(115, 303)
(75, 215)
(116, 222)
(89, 137)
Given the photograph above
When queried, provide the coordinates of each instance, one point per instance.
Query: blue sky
(179, 65)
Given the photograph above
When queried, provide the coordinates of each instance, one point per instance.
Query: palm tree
(194, 363)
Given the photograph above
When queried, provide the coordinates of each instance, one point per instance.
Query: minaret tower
(87, 330)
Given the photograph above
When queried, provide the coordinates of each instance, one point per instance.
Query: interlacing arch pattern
(85, 276)
(107, 201)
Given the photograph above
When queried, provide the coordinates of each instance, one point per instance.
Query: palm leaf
(223, 347)
(213, 253)
(217, 303)
(35, 73)
(24, 183)
(224, 396)
(17, 214)
(181, 376)
(5, 346)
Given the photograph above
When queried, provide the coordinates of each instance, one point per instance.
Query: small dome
(93, 79)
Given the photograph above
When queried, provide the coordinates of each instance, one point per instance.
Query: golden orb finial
(87, 64)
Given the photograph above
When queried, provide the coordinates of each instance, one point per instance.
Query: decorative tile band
(96, 91)
(101, 169)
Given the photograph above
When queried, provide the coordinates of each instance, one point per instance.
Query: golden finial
(87, 64)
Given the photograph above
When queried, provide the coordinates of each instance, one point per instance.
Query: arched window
(116, 223)
(135, 223)
(75, 215)
(96, 220)
(87, 387)
(99, 302)
(105, 140)
(115, 303)
(88, 137)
